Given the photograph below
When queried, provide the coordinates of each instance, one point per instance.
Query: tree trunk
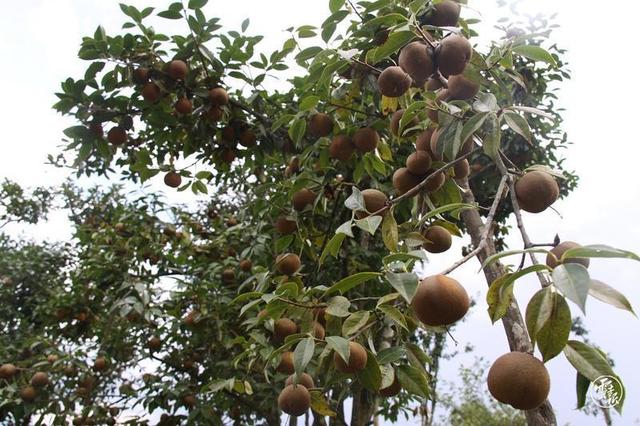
(364, 407)
(512, 322)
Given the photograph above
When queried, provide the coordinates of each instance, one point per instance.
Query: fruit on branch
(423, 142)
(286, 363)
(305, 380)
(288, 263)
(245, 265)
(419, 162)
(215, 113)
(172, 179)
(319, 315)
(190, 318)
(8, 371)
(394, 82)
(341, 148)
(394, 125)
(320, 125)
(28, 393)
(228, 276)
(553, 258)
(374, 200)
(286, 226)
(453, 54)
(443, 14)
(461, 169)
(404, 180)
(439, 147)
(100, 364)
(189, 400)
(228, 155)
(154, 343)
(141, 75)
(183, 106)
(303, 198)
(536, 191)
(440, 300)
(432, 110)
(52, 358)
(96, 128)
(282, 328)
(318, 330)
(294, 400)
(247, 138)
(151, 92)
(434, 182)
(439, 239)
(461, 88)
(520, 380)
(416, 59)
(366, 139)
(228, 135)
(434, 84)
(40, 379)
(218, 97)
(357, 359)
(177, 69)
(117, 136)
(393, 389)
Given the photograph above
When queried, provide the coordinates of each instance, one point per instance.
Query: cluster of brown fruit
(342, 147)
(29, 392)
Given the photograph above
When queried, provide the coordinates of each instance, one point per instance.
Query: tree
(302, 260)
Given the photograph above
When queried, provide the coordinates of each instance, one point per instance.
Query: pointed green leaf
(370, 377)
(405, 283)
(610, 295)
(351, 281)
(573, 281)
(303, 354)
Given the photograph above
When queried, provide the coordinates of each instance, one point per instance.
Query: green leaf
(491, 141)
(245, 25)
(390, 231)
(491, 259)
(394, 42)
(582, 387)
(405, 283)
(387, 298)
(308, 102)
(370, 376)
(355, 201)
(355, 322)
(610, 295)
(303, 354)
(553, 325)
(409, 114)
(535, 53)
(395, 315)
(170, 14)
(501, 291)
(573, 281)
(486, 103)
(599, 251)
(414, 380)
(369, 224)
(320, 405)
(335, 5)
(338, 306)
(197, 4)
(518, 124)
(297, 129)
(351, 281)
(473, 125)
(389, 355)
(332, 247)
(340, 345)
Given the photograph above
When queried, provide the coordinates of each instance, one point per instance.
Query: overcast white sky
(40, 39)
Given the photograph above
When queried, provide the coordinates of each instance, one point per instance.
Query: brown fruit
(393, 389)
(228, 155)
(172, 179)
(117, 136)
(434, 182)
(319, 315)
(440, 300)
(536, 191)
(318, 330)
(438, 147)
(154, 343)
(341, 148)
(461, 88)
(461, 169)
(151, 92)
(357, 359)
(96, 128)
(247, 138)
(228, 276)
(215, 113)
(294, 400)
(423, 143)
(434, 84)
(320, 125)
(432, 110)
(303, 198)
(394, 82)
(141, 75)
(28, 393)
(286, 363)
(374, 200)
(282, 328)
(40, 379)
(285, 226)
(416, 59)
(553, 258)
(177, 69)
(520, 380)
(395, 122)
(288, 263)
(189, 400)
(439, 237)
(52, 358)
(218, 96)
(444, 14)
(419, 163)
(453, 54)
(404, 180)
(8, 371)
(100, 364)
(69, 370)
(366, 139)
(183, 106)
(228, 134)
(245, 265)
(305, 380)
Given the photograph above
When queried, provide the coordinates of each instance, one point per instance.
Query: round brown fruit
(282, 328)
(52, 358)
(183, 106)
(28, 393)
(536, 191)
(461, 88)
(393, 389)
(461, 169)
(553, 258)
(434, 182)
(423, 143)
(320, 125)
(294, 400)
(117, 136)
(189, 400)
(374, 200)
(8, 371)
(154, 343)
(416, 59)
(286, 363)
(394, 125)
(394, 82)
(40, 379)
(357, 359)
(151, 92)
(444, 14)
(404, 180)
(434, 84)
(439, 239)
(177, 69)
(305, 380)
(141, 75)
(172, 179)
(286, 226)
(303, 198)
(215, 113)
(419, 163)
(366, 139)
(288, 263)
(100, 364)
(318, 330)
(96, 128)
(247, 138)
(520, 380)
(245, 265)
(440, 300)
(228, 276)
(228, 155)
(218, 97)
(453, 54)
(341, 148)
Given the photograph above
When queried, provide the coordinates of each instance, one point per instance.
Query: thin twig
(355, 10)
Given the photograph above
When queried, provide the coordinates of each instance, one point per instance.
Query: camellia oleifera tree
(295, 287)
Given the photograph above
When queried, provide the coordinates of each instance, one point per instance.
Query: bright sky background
(40, 39)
